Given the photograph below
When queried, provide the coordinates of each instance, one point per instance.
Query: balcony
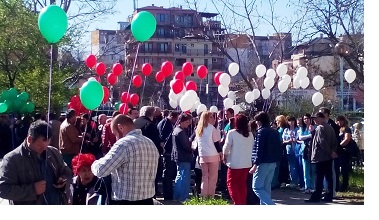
(194, 52)
(218, 66)
(155, 51)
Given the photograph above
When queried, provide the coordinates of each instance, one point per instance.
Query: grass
(202, 201)
(355, 192)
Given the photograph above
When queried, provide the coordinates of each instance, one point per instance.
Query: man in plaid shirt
(132, 162)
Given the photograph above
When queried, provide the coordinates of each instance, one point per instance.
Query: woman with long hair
(281, 171)
(290, 140)
(237, 156)
(343, 161)
(210, 153)
(305, 140)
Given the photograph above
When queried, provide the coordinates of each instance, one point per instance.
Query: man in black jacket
(149, 129)
(165, 127)
(267, 151)
(335, 168)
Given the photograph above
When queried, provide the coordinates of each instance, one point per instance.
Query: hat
(318, 115)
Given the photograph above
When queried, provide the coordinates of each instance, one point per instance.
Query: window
(146, 60)
(184, 48)
(160, 32)
(162, 47)
(179, 62)
(179, 19)
(162, 17)
(192, 59)
(177, 47)
(166, 33)
(206, 49)
(148, 47)
(214, 60)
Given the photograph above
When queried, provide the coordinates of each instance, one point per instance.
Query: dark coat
(149, 130)
(267, 146)
(20, 170)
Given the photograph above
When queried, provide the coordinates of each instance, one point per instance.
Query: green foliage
(25, 57)
(203, 201)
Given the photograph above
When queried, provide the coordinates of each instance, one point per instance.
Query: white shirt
(239, 149)
(206, 141)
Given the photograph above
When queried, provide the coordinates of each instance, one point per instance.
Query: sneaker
(302, 189)
(282, 185)
(307, 191)
(293, 186)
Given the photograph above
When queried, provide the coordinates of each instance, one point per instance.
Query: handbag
(352, 149)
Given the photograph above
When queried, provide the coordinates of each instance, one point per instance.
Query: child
(86, 189)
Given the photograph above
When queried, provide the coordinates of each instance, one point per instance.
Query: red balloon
(125, 98)
(137, 81)
(75, 100)
(106, 94)
(117, 69)
(179, 75)
(100, 68)
(191, 85)
(147, 69)
(167, 68)
(187, 68)
(177, 86)
(217, 78)
(123, 108)
(202, 71)
(91, 61)
(112, 78)
(159, 77)
(134, 99)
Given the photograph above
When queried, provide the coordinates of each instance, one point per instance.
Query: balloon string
(134, 66)
(50, 81)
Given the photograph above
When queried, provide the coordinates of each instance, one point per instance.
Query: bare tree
(336, 19)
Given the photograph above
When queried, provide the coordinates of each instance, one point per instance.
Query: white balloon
(193, 109)
(318, 82)
(317, 98)
(296, 82)
(286, 78)
(302, 72)
(213, 109)
(350, 75)
(236, 109)
(256, 93)
(186, 103)
(232, 95)
(228, 103)
(191, 93)
(282, 86)
(266, 93)
(173, 96)
(269, 82)
(225, 79)
(222, 90)
(260, 70)
(201, 108)
(271, 73)
(197, 103)
(173, 103)
(304, 83)
(249, 97)
(281, 70)
(233, 68)
(197, 99)
(171, 82)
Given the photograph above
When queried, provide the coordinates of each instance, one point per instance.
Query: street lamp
(343, 50)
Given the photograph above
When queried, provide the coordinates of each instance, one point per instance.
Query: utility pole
(135, 4)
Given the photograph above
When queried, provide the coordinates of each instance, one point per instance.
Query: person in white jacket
(237, 156)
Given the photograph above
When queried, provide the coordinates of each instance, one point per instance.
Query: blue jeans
(262, 179)
(300, 170)
(309, 174)
(293, 168)
(183, 181)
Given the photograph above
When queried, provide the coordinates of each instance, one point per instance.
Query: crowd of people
(123, 160)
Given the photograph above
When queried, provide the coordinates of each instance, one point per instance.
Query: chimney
(152, 4)
(321, 35)
(181, 7)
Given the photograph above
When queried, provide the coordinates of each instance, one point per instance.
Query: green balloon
(143, 26)
(91, 94)
(12, 93)
(5, 95)
(3, 107)
(29, 107)
(23, 97)
(10, 104)
(52, 23)
(117, 105)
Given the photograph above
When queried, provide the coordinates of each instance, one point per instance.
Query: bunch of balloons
(11, 101)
